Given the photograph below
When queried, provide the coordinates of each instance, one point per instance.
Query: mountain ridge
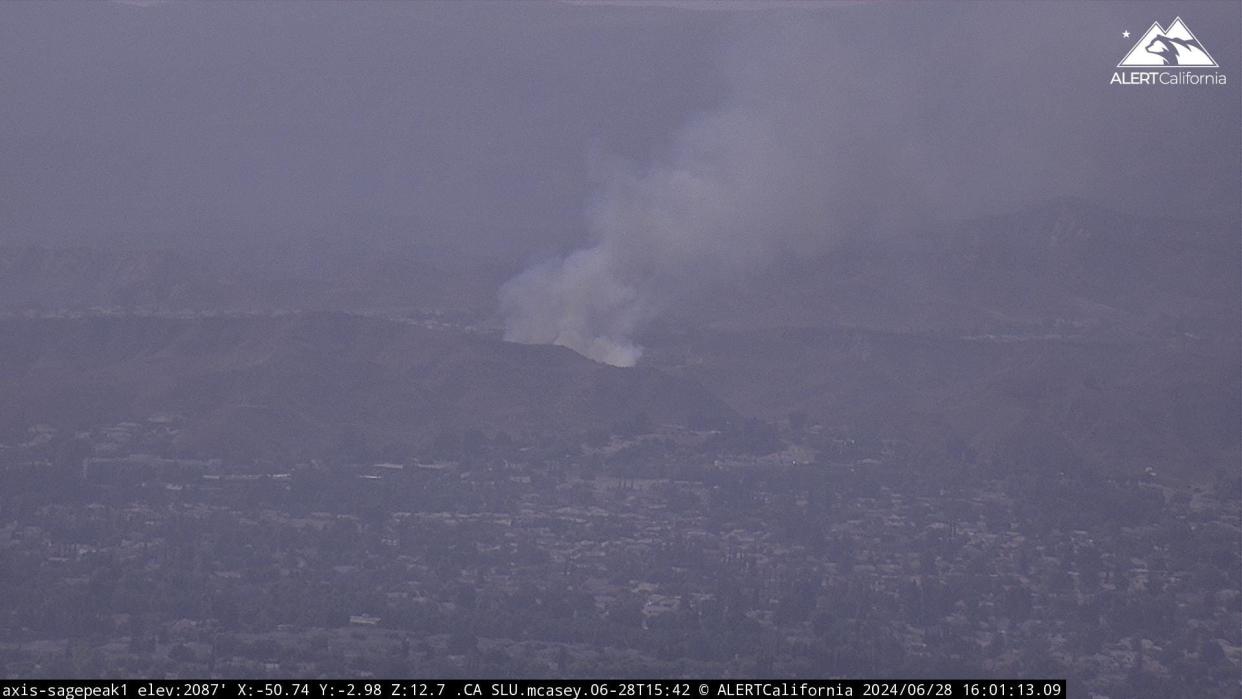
(314, 377)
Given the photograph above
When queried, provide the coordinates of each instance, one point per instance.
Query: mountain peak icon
(1174, 46)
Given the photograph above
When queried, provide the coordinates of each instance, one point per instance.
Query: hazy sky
(494, 126)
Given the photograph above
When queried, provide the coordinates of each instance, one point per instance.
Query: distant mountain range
(34, 277)
(1065, 266)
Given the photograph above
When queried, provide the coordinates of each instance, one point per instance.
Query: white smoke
(580, 302)
(823, 132)
(739, 186)
(701, 217)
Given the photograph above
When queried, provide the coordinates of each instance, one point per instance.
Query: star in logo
(1125, 34)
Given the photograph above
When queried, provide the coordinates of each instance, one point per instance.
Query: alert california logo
(1170, 55)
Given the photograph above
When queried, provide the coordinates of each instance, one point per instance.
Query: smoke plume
(823, 131)
(659, 234)
(719, 205)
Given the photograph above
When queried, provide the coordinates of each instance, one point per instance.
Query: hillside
(1112, 338)
(1064, 332)
(1039, 403)
(309, 385)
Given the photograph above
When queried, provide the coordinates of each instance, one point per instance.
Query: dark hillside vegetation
(302, 385)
